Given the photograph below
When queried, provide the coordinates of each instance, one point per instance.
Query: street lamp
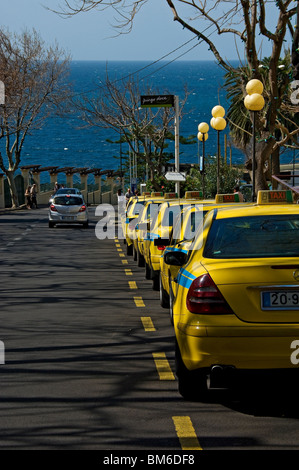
(219, 124)
(202, 136)
(254, 102)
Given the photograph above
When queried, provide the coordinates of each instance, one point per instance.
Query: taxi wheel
(148, 272)
(171, 298)
(192, 385)
(156, 280)
(140, 259)
(164, 297)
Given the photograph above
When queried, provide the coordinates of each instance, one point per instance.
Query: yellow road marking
(163, 367)
(124, 261)
(119, 249)
(139, 302)
(128, 272)
(186, 433)
(121, 255)
(148, 324)
(132, 285)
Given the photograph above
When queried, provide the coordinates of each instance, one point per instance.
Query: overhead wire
(151, 64)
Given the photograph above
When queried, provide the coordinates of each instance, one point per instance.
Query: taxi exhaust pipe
(220, 376)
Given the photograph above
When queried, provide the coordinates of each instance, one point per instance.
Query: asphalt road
(83, 372)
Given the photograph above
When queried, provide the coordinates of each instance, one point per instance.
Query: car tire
(192, 385)
(156, 280)
(129, 250)
(140, 259)
(164, 297)
(148, 272)
(85, 225)
(171, 299)
(51, 224)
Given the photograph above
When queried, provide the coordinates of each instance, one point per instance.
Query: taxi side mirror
(175, 258)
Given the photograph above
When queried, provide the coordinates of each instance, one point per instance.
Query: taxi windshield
(253, 237)
(135, 208)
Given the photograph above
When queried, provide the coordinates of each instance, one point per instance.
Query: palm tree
(239, 117)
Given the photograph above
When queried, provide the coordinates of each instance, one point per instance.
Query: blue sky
(89, 36)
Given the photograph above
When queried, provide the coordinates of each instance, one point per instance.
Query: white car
(64, 191)
(68, 209)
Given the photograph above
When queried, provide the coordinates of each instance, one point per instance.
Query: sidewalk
(7, 210)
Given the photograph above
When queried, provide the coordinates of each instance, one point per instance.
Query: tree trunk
(12, 188)
(275, 165)
(263, 151)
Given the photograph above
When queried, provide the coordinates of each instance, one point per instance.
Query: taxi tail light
(205, 298)
(82, 208)
(53, 208)
(161, 247)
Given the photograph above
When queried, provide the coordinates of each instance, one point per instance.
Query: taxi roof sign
(193, 195)
(156, 194)
(170, 195)
(275, 197)
(223, 198)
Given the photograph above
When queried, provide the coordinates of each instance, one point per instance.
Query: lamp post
(254, 102)
(219, 124)
(202, 136)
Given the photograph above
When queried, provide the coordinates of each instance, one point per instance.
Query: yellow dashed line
(128, 272)
(163, 367)
(148, 324)
(124, 261)
(139, 302)
(117, 245)
(121, 255)
(186, 433)
(132, 285)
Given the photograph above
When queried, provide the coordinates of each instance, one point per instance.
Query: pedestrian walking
(129, 194)
(33, 193)
(56, 187)
(237, 191)
(28, 197)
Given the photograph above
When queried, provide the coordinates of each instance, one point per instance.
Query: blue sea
(65, 141)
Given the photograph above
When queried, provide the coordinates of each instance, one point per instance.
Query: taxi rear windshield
(68, 201)
(253, 237)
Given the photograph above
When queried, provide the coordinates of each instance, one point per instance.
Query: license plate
(64, 217)
(280, 300)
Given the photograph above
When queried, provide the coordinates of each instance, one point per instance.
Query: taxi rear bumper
(241, 348)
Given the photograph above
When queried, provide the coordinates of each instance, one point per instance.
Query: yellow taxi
(133, 209)
(236, 303)
(145, 217)
(180, 239)
(183, 232)
(160, 228)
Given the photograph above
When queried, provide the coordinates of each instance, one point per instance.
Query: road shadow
(269, 395)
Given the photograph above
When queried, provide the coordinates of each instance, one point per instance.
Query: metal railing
(294, 189)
